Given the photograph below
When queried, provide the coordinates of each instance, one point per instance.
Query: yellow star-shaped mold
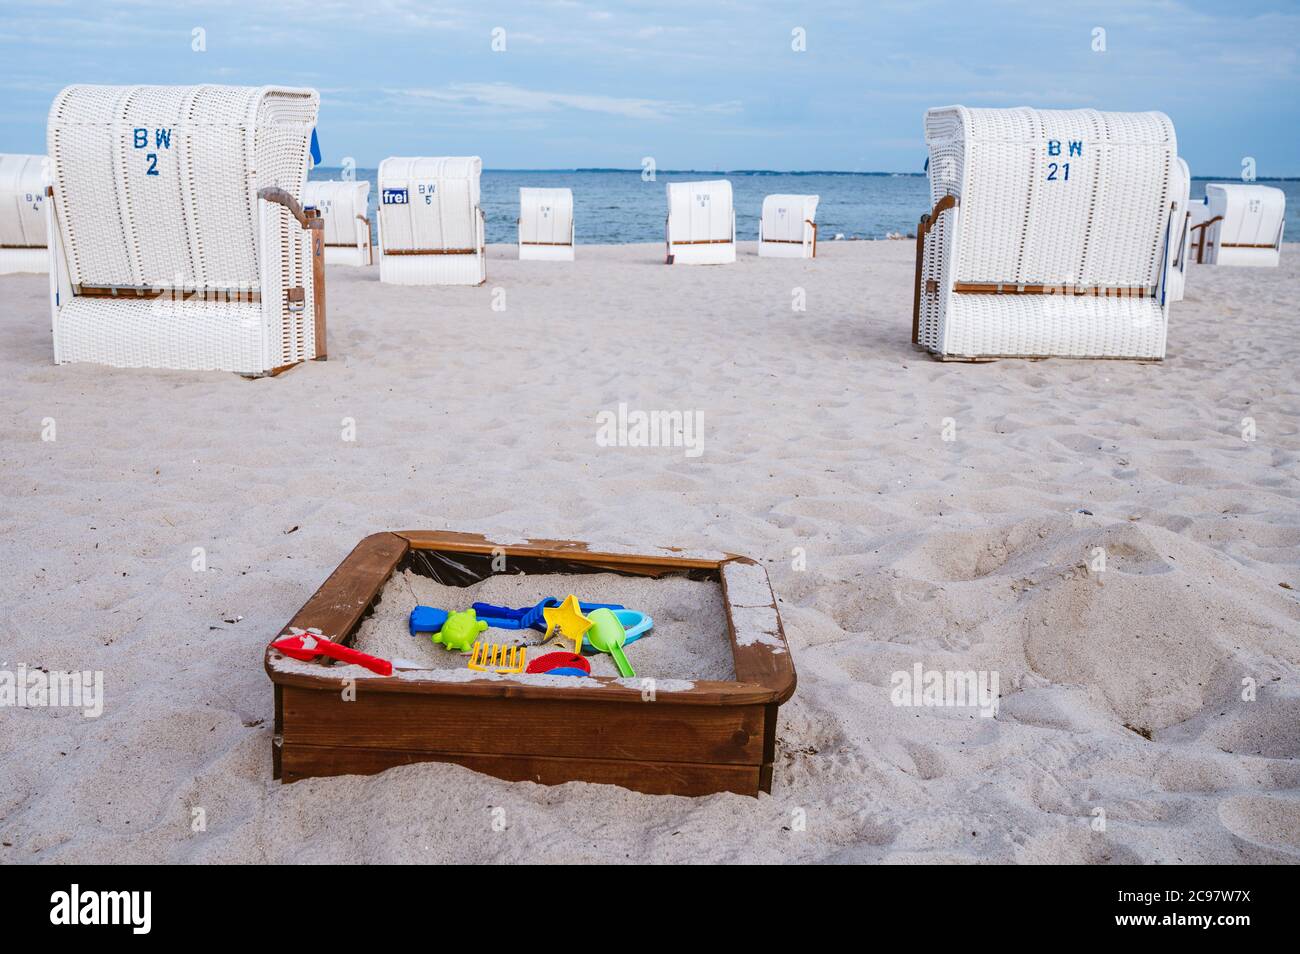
(568, 618)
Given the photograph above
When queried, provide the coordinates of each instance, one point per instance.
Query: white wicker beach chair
(23, 181)
(1052, 233)
(788, 227)
(701, 226)
(1198, 210)
(1243, 225)
(546, 224)
(431, 228)
(176, 235)
(1182, 232)
(344, 207)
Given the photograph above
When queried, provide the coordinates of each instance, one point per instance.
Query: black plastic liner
(466, 569)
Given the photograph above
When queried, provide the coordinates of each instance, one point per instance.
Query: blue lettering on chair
(162, 138)
(1060, 171)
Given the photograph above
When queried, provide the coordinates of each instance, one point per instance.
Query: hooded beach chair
(1052, 233)
(701, 226)
(546, 224)
(23, 181)
(343, 206)
(1198, 210)
(1182, 231)
(177, 234)
(431, 228)
(788, 227)
(1242, 225)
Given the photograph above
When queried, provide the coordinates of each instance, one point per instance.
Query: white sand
(689, 639)
(822, 432)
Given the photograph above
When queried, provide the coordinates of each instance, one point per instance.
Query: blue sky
(693, 84)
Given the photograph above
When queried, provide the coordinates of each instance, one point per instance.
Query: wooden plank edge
(373, 560)
(560, 549)
(759, 663)
(689, 779)
(703, 692)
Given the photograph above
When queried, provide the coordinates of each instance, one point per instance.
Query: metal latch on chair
(297, 299)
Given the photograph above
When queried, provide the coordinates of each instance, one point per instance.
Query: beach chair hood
(1244, 224)
(701, 226)
(431, 227)
(344, 205)
(788, 226)
(165, 248)
(1051, 233)
(23, 181)
(546, 224)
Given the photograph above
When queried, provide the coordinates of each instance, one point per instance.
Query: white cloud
(505, 97)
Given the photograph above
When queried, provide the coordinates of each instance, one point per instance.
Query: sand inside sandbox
(689, 639)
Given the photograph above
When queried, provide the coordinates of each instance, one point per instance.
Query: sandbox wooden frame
(683, 738)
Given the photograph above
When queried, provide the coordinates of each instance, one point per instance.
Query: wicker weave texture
(156, 188)
(157, 185)
(1015, 326)
(289, 330)
(189, 336)
(1066, 199)
(189, 333)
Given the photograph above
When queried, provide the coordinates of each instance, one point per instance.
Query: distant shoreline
(801, 172)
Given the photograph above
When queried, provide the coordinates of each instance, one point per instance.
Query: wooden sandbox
(678, 737)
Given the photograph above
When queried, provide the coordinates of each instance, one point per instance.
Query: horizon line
(782, 172)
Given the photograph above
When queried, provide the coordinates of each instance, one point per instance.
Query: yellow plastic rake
(497, 657)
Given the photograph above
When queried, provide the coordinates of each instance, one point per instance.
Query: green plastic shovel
(607, 635)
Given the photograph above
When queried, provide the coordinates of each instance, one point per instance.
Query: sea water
(617, 206)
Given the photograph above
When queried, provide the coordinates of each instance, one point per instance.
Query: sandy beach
(823, 456)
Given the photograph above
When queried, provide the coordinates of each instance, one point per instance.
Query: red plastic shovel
(308, 646)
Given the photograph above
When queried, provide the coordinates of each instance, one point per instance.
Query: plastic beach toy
(529, 617)
(307, 646)
(460, 631)
(607, 635)
(568, 619)
(427, 619)
(560, 664)
(497, 657)
(635, 623)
